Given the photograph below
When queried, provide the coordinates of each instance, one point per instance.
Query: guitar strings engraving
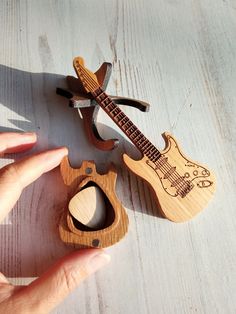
(181, 186)
(126, 125)
(139, 140)
(178, 182)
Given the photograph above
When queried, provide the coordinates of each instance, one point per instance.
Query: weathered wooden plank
(180, 57)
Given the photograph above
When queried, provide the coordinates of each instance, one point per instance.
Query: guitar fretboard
(126, 125)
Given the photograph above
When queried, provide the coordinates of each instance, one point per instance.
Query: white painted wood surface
(180, 57)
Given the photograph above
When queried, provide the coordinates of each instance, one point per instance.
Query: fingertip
(3, 279)
(91, 259)
(12, 142)
(59, 152)
(53, 286)
(98, 261)
(24, 137)
(54, 156)
(64, 150)
(30, 135)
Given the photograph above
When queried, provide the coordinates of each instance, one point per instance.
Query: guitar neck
(126, 125)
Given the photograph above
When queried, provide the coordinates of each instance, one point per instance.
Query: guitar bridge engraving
(177, 184)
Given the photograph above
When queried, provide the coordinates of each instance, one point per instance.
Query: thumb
(52, 287)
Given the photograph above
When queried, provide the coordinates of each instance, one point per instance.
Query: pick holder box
(115, 224)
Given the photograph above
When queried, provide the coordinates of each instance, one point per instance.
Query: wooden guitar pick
(115, 224)
(88, 207)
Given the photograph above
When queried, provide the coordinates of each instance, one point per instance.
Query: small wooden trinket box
(94, 216)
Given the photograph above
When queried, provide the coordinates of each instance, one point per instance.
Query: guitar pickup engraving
(181, 186)
(178, 181)
(169, 172)
(161, 162)
(185, 189)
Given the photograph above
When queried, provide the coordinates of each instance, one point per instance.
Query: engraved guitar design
(182, 187)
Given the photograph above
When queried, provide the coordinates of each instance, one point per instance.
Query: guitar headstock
(88, 78)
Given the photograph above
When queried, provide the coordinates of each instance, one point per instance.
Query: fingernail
(55, 158)
(29, 133)
(98, 261)
(29, 136)
(62, 150)
(59, 153)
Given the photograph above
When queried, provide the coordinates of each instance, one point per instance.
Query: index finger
(16, 176)
(12, 142)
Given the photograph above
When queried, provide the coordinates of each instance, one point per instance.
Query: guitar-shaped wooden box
(182, 187)
(91, 220)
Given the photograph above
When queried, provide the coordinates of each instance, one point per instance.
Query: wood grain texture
(180, 57)
(115, 225)
(88, 207)
(168, 178)
(181, 187)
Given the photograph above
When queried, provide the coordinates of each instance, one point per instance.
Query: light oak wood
(89, 114)
(171, 204)
(88, 207)
(108, 229)
(182, 187)
(88, 108)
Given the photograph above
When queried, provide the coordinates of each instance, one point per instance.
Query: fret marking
(126, 125)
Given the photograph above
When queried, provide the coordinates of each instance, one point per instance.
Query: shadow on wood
(29, 239)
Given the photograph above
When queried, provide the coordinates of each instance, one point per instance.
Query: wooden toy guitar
(182, 187)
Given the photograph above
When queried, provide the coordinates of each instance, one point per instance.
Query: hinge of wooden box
(115, 224)
(88, 108)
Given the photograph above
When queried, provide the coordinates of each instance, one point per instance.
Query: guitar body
(167, 178)
(182, 187)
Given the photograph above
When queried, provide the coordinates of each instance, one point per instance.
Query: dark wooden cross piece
(89, 107)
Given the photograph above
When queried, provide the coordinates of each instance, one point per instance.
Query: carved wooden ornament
(110, 229)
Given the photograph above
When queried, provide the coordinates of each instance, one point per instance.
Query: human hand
(46, 292)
